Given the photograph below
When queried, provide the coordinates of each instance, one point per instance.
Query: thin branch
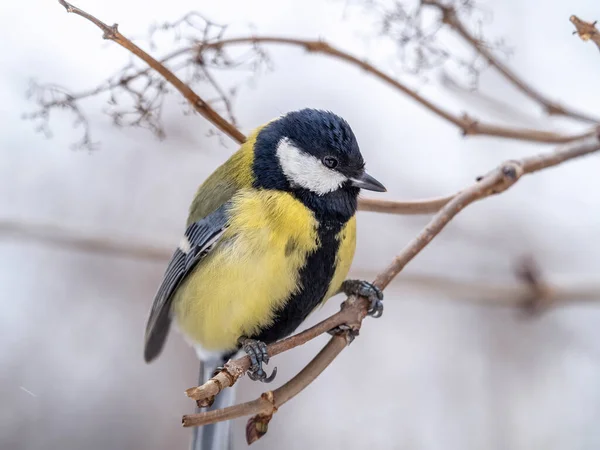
(222, 95)
(267, 404)
(212, 116)
(74, 240)
(112, 33)
(450, 18)
(468, 125)
(350, 313)
(414, 207)
(539, 291)
(495, 182)
(503, 295)
(587, 31)
(120, 79)
(52, 96)
(471, 291)
(420, 48)
(497, 107)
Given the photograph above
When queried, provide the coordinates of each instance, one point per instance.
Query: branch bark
(504, 295)
(410, 207)
(470, 291)
(450, 18)
(467, 124)
(587, 31)
(267, 404)
(112, 33)
(75, 240)
(351, 313)
(495, 182)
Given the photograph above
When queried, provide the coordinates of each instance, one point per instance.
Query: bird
(269, 237)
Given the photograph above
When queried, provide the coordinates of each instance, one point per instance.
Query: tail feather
(215, 436)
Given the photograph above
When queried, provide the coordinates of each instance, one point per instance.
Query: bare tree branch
(351, 314)
(495, 182)
(499, 108)
(540, 294)
(75, 240)
(587, 31)
(414, 207)
(504, 295)
(450, 18)
(267, 404)
(500, 295)
(468, 125)
(112, 33)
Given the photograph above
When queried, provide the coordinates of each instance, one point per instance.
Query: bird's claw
(368, 290)
(257, 352)
(376, 309)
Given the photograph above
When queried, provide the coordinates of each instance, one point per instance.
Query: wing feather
(200, 237)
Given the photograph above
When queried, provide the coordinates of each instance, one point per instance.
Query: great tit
(270, 235)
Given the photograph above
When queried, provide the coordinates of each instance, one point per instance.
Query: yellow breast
(253, 269)
(345, 255)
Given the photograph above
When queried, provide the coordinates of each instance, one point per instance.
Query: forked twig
(468, 125)
(112, 33)
(450, 18)
(587, 31)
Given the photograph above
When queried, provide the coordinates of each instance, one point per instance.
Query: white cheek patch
(306, 171)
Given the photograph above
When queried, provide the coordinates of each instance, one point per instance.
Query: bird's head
(311, 153)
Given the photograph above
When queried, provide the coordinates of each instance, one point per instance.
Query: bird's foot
(368, 290)
(257, 351)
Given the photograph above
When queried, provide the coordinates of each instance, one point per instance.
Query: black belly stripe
(315, 277)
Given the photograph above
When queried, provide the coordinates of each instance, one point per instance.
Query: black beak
(366, 181)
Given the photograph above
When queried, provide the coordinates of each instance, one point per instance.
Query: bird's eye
(330, 162)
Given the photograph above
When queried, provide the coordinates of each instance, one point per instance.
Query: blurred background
(85, 235)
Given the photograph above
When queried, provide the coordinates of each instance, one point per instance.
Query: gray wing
(197, 242)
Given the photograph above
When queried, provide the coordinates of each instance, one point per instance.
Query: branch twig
(416, 207)
(498, 107)
(450, 18)
(112, 33)
(495, 182)
(268, 403)
(471, 291)
(351, 314)
(468, 125)
(75, 240)
(587, 31)
(503, 295)
(539, 295)
(410, 207)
